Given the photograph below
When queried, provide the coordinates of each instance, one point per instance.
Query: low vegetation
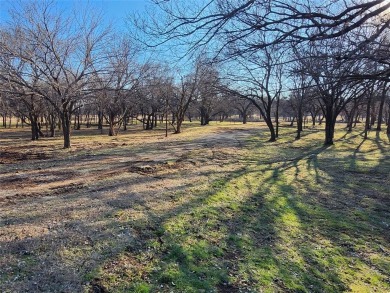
(214, 209)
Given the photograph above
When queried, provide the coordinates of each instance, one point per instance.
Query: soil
(62, 210)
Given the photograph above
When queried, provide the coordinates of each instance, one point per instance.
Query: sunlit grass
(288, 216)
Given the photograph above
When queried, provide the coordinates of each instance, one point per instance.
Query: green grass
(297, 217)
(290, 216)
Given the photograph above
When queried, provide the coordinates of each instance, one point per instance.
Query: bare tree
(63, 52)
(261, 82)
(232, 28)
(116, 86)
(243, 106)
(331, 79)
(299, 98)
(185, 95)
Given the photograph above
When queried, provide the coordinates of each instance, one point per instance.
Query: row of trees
(55, 66)
(266, 57)
(153, 97)
(337, 51)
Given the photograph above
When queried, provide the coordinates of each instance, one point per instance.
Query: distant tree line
(300, 63)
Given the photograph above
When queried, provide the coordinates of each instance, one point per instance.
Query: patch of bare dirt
(7, 157)
(67, 213)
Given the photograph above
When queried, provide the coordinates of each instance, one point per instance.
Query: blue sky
(114, 11)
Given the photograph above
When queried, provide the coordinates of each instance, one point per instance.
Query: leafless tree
(61, 51)
(243, 106)
(116, 86)
(331, 78)
(225, 24)
(260, 81)
(185, 94)
(300, 96)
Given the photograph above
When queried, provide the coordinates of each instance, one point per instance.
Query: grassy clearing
(222, 211)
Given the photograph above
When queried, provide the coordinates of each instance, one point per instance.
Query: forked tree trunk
(292, 122)
(244, 118)
(178, 125)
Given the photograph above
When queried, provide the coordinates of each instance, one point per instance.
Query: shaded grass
(298, 217)
(289, 216)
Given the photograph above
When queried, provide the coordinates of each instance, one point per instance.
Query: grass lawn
(214, 209)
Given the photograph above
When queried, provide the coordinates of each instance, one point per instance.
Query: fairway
(214, 209)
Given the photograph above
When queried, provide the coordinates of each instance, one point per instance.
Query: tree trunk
(100, 120)
(111, 124)
(178, 125)
(244, 118)
(313, 119)
(111, 130)
(125, 123)
(320, 119)
(204, 117)
(299, 123)
(65, 121)
(368, 115)
(388, 122)
(380, 111)
(330, 122)
(271, 128)
(52, 121)
(34, 127)
(277, 117)
(149, 123)
(292, 122)
(87, 118)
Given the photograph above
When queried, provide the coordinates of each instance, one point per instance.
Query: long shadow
(104, 241)
(251, 230)
(255, 217)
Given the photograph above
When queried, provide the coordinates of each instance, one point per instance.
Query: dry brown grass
(62, 209)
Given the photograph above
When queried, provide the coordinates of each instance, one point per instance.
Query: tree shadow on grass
(247, 249)
(266, 226)
(327, 237)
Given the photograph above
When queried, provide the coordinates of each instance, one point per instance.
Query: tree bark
(368, 116)
(277, 117)
(330, 122)
(381, 106)
(65, 121)
(388, 123)
(299, 123)
(244, 118)
(100, 120)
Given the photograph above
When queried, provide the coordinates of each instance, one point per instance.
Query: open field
(214, 209)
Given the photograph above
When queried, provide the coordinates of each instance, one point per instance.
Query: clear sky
(114, 11)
